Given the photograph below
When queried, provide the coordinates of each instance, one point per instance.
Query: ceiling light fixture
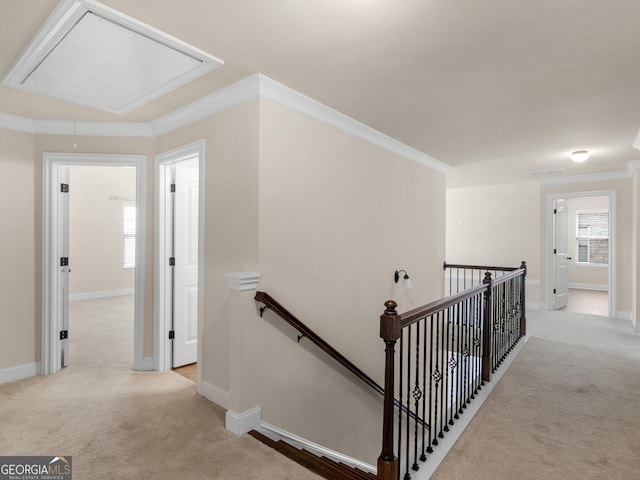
(579, 156)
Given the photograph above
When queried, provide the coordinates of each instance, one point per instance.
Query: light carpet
(121, 424)
(568, 408)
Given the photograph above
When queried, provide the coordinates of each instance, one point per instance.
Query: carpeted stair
(322, 466)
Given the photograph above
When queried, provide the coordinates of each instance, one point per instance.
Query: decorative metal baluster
(400, 403)
(445, 370)
(437, 377)
(432, 421)
(407, 475)
(417, 395)
(427, 391)
(443, 365)
(451, 363)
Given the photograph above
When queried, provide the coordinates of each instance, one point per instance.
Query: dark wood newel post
(523, 315)
(487, 328)
(390, 333)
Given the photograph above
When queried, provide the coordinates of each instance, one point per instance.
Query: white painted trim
(147, 365)
(50, 344)
(209, 105)
(101, 294)
(249, 88)
(212, 393)
(551, 197)
(161, 343)
(242, 281)
(589, 286)
(16, 122)
(279, 93)
(11, 374)
(241, 423)
(276, 434)
(624, 315)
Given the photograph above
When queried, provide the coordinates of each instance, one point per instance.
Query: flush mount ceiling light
(579, 156)
(92, 55)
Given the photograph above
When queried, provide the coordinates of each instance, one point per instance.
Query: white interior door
(185, 282)
(63, 264)
(560, 259)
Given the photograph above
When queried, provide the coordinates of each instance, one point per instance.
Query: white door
(185, 291)
(63, 264)
(561, 271)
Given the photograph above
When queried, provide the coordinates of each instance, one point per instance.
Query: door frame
(161, 343)
(50, 343)
(551, 198)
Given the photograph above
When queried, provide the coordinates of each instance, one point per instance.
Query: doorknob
(568, 258)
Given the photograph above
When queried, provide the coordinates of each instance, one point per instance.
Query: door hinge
(172, 334)
(555, 251)
(64, 188)
(64, 261)
(173, 188)
(172, 261)
(64, 334)
(555, 211)
(554, 291)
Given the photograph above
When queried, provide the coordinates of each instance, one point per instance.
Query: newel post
(390, 333)
(523, 316)
(487, 328)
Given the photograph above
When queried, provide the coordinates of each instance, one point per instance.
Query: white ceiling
(497, 89)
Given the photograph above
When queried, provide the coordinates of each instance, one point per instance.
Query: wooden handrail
(269, 302)
(288, 317)
(477, 267)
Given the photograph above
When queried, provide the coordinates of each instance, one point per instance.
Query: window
(592, 237)
(129, 236)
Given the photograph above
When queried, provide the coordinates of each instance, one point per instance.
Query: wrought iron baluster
(432, 421)
(400, 402)
(407, 475)
(427, 391)
(417, 395)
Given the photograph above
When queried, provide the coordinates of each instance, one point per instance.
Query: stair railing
(305, 332)
(448, 349)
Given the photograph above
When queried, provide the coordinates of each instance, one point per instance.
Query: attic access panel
(92, 55)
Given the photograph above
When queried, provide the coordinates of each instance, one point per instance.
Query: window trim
(578, 238)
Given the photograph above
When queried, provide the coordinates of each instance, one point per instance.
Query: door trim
(551, 197)
(161, 342)
(50, 344)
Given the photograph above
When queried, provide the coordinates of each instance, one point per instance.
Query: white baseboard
(101, 294)
(276, 434)
(213, 394)
(622, 315)
(241, 423)
(11, 374)
(589, 286)
(148, 364)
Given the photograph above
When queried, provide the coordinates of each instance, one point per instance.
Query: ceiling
(497, 89)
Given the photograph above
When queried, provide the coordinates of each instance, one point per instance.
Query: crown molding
(632, 167)
(279, 93)
(212, 104)
(249, 88)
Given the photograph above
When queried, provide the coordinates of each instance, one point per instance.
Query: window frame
(129, 250)
(581, 238)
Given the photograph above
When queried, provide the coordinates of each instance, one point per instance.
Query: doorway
(102, 238)
(581, 252)
(179, 272)
(55, 261)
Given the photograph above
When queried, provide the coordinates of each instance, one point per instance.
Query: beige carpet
(120, 424)
(568, 408)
